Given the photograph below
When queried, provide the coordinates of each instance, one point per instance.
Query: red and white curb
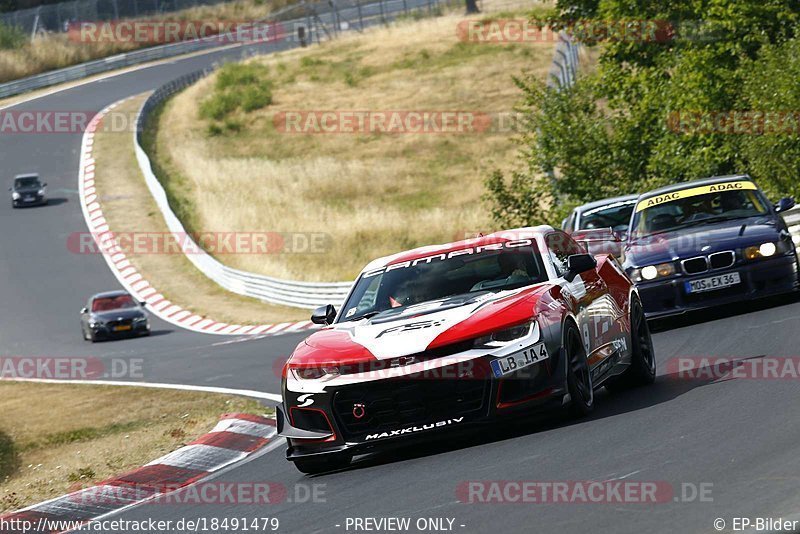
(235, 437)
(130, 278)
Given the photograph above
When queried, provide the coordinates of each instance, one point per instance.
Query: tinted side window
(560, 246)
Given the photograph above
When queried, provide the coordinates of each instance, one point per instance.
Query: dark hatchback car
(114, 314)
(602, 226)
(28, 190)
(709, 243)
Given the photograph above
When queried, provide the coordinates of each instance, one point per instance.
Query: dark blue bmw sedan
(708, 243)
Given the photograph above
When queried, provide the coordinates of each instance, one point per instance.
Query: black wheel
(642, 370)
(579, 379)
(322, 464)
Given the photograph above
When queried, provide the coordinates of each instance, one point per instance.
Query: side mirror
(142, 303)
(577, 264)
(324, 315)
(784, 204)
(44, 184)
(84, 310)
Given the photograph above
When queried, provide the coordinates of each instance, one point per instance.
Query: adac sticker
(694, 192)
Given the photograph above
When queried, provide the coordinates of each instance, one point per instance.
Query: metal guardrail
(792, 218)
(346, 16)
(564, 68)
(307, 295)
(274, 290)
(319, 20)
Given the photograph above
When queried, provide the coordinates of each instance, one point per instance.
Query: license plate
(519, 360)
(29, 199)
(713, 283)
(122, 328)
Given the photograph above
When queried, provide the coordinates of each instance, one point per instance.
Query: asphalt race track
(737, 437)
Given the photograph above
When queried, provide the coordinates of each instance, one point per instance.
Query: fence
(564, 68)
(286, 292)
(319, 21)
(56, 17)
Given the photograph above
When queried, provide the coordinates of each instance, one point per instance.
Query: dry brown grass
(79, 434)
(122, 191)
(54, 51)
(374, 194)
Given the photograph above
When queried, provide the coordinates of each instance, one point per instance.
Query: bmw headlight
(501, 338)
(15, 195)
(653, 272)
(764, 250)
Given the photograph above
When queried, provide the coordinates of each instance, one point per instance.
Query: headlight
(503, 337)
(764, 250)
(41, 192)
(93, 324)
(652, 272)
(315, 373)
(15, 195)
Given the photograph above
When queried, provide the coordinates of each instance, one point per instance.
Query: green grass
(238, 86)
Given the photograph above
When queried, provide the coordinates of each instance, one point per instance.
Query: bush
(237, 87)
(11, 37)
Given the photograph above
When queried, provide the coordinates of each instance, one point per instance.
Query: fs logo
(305, 400)
(420, 325)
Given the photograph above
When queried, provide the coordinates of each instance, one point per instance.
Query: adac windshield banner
(694, 192)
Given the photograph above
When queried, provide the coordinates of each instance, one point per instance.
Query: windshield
(698, 210)
(437, 278)
(616, 216)
(113, 303)
(25, 183)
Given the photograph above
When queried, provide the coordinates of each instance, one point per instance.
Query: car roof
(613, 200)
(433, 250)
(109, 294)
(28, 175)
(695, 183)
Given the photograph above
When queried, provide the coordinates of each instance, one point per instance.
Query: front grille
(695, 265)
(722, 260)
(397, 403)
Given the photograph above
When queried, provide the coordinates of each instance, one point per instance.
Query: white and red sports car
(438, 338)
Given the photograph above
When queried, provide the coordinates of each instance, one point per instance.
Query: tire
(579, 379)
(642, 370)
(88, 336)
(322, 464)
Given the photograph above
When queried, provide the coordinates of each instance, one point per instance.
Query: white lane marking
(261, 452)
(155, 385)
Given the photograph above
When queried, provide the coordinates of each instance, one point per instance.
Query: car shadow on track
(666, 388)
(725, 312)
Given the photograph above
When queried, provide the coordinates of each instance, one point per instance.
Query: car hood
(118, 315)
(701, 240)
(418, 328)
(27, 190)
